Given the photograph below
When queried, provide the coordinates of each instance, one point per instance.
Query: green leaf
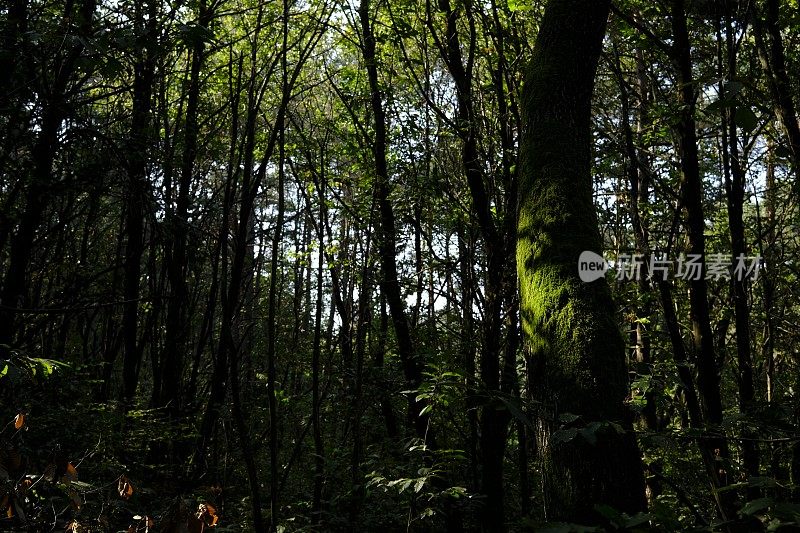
(194, 34)
(722, 103)
(763, 482)
(755, 506)
(745, 119)
(48, 366)
(568, 418)
(457, 492)
(561, 527)
(563, 435)
(609, 512)
(787, 511)
(732, 88)
(589, 435)
(519, 5)
(515, 411)
(638, 519)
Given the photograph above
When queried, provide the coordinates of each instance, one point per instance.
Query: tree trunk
(43, 153)
(319, 450)
(708, 372)
(494, 416)
(390, 285)
(177, 325)
(773, 62)
(735, 182)
(576, 346)
(137, 191)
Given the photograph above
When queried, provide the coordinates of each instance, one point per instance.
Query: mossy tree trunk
(576, 347)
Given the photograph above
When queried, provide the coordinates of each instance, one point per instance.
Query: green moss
(570, 328)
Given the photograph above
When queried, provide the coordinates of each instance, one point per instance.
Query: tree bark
(576, 346)
(713, 450)
(137, 191)
(390, 285)
(735, 182)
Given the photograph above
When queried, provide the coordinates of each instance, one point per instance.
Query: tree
(577, 351)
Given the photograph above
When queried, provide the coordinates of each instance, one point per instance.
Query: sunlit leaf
(519, 5)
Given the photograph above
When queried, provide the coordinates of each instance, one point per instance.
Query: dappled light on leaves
(311, 265)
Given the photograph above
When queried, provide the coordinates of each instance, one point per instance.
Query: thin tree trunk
(390, 285)
(708, 372)
(177, 325)
(494, 417)
(42, 156)
(273, 279)
(138, 189)
(735, 182)
(773, 62)
(319, 451)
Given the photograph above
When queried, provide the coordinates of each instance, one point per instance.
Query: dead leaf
(70, 474)
(19, 421)
(24, 485)
(7, 505)
(208, 514)
(124, 487)
(62, 470)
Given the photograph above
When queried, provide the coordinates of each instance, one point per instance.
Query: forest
(399, 265)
